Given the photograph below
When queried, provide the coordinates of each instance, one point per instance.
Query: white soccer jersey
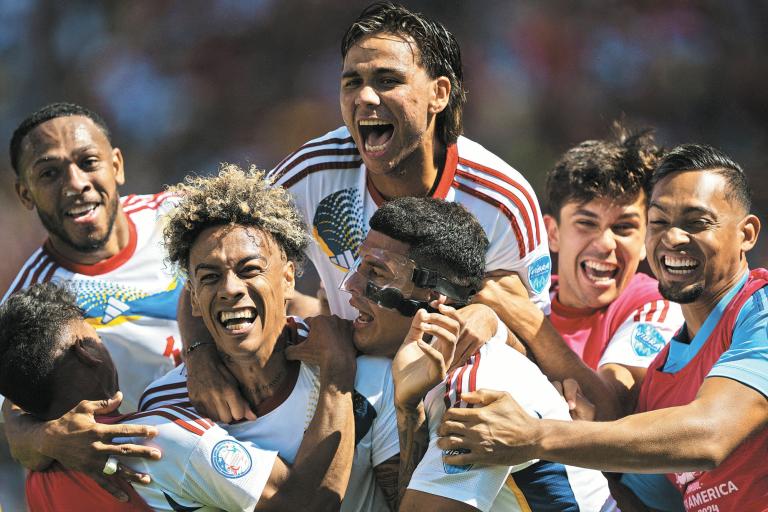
(282, 429)
(533, 486)
(131, 298)
(203, 468)
(329, 182)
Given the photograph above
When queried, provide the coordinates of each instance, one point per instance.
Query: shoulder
(177, 423)
(170, 389)
(641, 301)
(161, 202)
(36, 269)
(334, 150)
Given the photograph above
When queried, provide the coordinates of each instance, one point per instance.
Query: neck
(117, 241)
(416, 174)
(265, 384)
(696, 312)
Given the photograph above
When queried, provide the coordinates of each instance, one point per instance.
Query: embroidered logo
(539, 273)
(231, 459)
(646, 340)
(450, 469)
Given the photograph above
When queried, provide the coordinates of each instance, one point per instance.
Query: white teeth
(78, 210)
(240, 314)
(680, 262)
(364, 318)
(374, 149)
(372, 122)
(599, 265)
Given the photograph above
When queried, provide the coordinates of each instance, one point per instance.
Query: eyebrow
(687, 210)
(211, 266)
(51, 158)
(378, 71)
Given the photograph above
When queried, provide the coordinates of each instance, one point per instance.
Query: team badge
(231, 459)
(451, 469)
(338, 226)
(646, 340)
(539, 272)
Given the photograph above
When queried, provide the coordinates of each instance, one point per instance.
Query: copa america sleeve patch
(646, 340)
(231, 459)
(539, 272)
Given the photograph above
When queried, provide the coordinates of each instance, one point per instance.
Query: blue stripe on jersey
(760, 299)
(546, 487)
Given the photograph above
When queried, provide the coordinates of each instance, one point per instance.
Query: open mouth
(375, 134)
(679, 265)
(362, 318)
(599, 272)
(82, 211)
(237, 320)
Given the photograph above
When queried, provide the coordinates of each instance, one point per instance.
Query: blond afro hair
(233, 197)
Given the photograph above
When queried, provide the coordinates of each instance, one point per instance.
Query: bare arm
(77, 442)
(414, 439)
(418, 501)
(697, 436)
(507, 296)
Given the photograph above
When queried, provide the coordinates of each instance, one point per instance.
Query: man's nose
(76, 181)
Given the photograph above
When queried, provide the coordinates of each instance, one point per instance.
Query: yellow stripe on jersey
(521, 501)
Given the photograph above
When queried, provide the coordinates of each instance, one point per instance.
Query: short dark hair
(31, 322)
(48, 112)
(701, 157)
(618, 168)
(442, 235)
(439, 53)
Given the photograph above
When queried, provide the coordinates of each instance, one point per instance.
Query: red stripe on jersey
(161, 398)
(320, 167)
(516, 200)
(27, 270)
(152, 203)
(203, 422)
(473, 374)
(649, 315)
(447, 396)
(195, 429)
(129, 200)
(502, 208)
(638, 314)
(51, 271)
(336, 140)
(157, 389)
(40, 268)
(664, 311)
(506, 179)
(313, 154)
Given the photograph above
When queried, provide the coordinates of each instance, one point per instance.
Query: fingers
(433, 354)
(94, 407)
(416, 332)
(108, 432)
(484, 396)
(110, 485)
(128, 450)
(452, 427)
(451, 443)
(130, 475)
(571, 391)
(558, 386)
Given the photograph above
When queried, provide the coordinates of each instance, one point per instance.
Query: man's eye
(89, 163)
(251, 270)
(48, 172)
(585, 223)
(351, 84)
(208, 278)
(624, 228)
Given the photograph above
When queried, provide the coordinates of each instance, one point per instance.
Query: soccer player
(240, 241)
(421, 250)
(51, 359)
(702, 414)
(108, 249)
(613, 317)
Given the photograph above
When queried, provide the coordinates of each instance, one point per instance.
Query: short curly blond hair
(234, 196)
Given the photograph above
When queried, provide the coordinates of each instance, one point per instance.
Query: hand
(498, 288)
(579, 405)
(329, 346)
(419, 366)
(496, 431)
(213, 390)
(77, 442)
(478, 324)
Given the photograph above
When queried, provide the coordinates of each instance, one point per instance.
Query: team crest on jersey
(646, 340)
(231, 459)
(451, 469)
(338, 226)
(539, 272)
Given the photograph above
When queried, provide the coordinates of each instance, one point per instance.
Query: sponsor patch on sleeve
(646, 340)
(231, 459)
(451, 469)
(539, 273)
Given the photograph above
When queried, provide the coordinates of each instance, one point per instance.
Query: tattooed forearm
(414, 439)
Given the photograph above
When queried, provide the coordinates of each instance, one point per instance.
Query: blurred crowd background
(187, 84)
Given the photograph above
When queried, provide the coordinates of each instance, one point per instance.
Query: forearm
(556, 359)
(25, 435)
(663, 441)
(319, 476)
(414, 439)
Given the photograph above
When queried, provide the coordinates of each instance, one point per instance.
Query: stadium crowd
(443, 366)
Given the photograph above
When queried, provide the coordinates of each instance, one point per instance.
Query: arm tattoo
(387, 477)
(414, 439)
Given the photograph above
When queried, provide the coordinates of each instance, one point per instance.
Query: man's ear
(553, 233)
(289, 279)
(441, 93)
(193, 300)
(118, 166)
(750, 229)
(22, 191)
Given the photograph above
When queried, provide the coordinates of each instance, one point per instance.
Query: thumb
(571, 391)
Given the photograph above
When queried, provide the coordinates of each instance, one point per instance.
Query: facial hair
(681, 295)
(55, 227)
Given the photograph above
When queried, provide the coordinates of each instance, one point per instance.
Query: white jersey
(203, 467)
(130, 298)
(532, 486)
(282, 429)
(328, 180)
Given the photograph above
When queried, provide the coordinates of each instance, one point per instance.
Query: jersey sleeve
(746, 360)
(386, 440)
(643, 334)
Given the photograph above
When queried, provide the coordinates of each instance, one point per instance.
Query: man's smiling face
(240, 281)
(388, 100)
